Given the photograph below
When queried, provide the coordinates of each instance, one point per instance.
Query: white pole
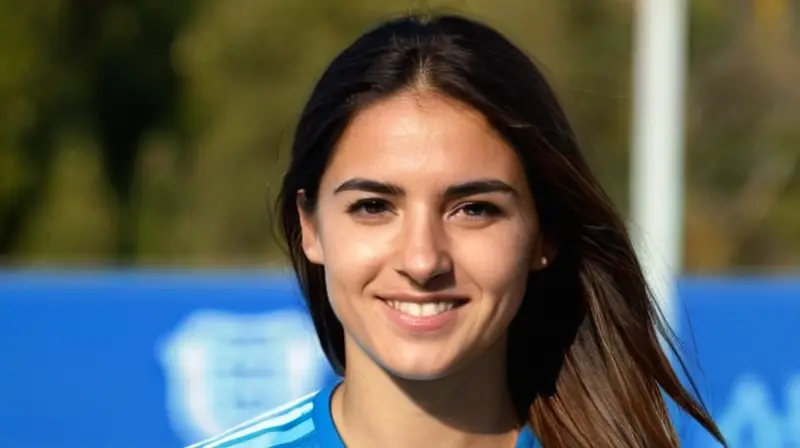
(657, 145)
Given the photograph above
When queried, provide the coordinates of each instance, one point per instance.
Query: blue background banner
(742, 341)
(159, 359)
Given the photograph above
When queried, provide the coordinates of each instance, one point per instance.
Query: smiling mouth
(424, 309)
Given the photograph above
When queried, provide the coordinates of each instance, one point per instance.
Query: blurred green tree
(102, 65)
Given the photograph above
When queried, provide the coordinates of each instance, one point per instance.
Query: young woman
(466, 274)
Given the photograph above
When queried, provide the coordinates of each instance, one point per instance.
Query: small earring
(544, 261)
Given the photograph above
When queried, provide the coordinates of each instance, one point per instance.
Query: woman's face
(427, 231)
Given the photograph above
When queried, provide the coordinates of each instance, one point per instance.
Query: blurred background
(141, 147)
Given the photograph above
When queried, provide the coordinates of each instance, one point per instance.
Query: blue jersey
(303, 423)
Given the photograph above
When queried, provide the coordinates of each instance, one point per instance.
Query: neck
(469, 408)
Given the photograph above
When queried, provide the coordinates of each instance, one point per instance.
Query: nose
(424, 253)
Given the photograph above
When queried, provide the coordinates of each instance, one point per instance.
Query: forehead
(410, 137)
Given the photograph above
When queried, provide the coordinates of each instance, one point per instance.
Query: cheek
(498, 262)
(352, 258)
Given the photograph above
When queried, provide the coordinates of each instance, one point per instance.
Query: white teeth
(417, 309)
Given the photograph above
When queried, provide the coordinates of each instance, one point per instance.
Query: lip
(422, 325)
(423, 298)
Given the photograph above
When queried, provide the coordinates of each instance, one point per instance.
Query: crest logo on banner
(222, 368)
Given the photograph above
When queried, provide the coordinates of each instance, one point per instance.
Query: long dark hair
(586, 368)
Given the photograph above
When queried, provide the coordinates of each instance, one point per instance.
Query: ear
(309, 233)
(545, 253)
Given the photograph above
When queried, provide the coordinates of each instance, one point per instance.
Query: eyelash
(359, 207)
(486, 209)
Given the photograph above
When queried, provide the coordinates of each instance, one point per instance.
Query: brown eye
(478, 210)
(371, 206)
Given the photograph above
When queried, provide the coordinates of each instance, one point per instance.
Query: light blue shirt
(303, 423)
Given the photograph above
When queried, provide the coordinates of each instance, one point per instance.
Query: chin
(416, 367)
(418, 374)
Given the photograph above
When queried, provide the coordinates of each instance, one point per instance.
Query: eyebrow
(456, 191)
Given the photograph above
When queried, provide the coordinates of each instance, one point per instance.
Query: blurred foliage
(154, 133)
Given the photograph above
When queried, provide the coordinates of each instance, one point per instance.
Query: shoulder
(290, 425)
